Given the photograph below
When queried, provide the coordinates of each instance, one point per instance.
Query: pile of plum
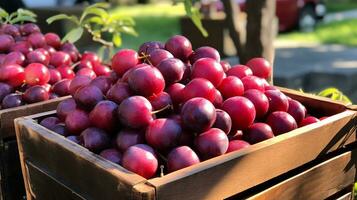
(36, 67)
(174, 107)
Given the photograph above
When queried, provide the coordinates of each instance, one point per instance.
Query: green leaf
(196, 19)
(22, 18)
(195, 16)
(71, 18)
(21, 11)
(94, 11)
(74, 35)
(95, 20)
(128, 30)
(3, 13)
(117, 39)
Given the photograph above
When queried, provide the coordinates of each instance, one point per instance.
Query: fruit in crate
(156, 113)
(36, 66)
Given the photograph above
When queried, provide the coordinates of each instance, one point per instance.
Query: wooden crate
(56, 168)
(11, 182)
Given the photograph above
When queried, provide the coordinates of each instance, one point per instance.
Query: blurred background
(315, 43)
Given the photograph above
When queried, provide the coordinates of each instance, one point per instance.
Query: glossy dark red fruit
(225, 65)
(281, 122)
(160, 101)
(175, 92)
(61, 88)
(277, 101)
(158, 55)
(66, 72)
(104, 83)
(36, 40)
(199, 87)
(101, 70)
(205, 52)
(235, 145)
(28, 28)
(239, 71)
(181, 157)
(6, 41)
(11, 29)
(11, 72)
(129, 137)
(140, 159)
(77, 82)
(135, 112)
(223, 121)
(50, 122)
(308, 120)
(123, 60)
(253, 82)
(218, 99)
(112, 155)
(118, 92)
(179, 46)
(76, 121)
(231, 86)
(104, 115)
(15, 57)
(92, 57)
(35, 94)
(60, 58)
(297, 110)
(36, 74)
(198, 114)
(163, 134)
(260, 67)
(38, 56)
(260, 101)
(148, 47)
(209, 69)
(258, 132)
(172, 70)
(88, 96)
(65, 107)
(241, 110)
(60, 129)
(53, 40)
(74, 139)
(12, 100)
(95, 139)
(212, 143)
(5, 89)
(86, 72)
(146, 81)
(22, 46)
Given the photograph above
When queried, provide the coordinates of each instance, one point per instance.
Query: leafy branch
(97, 21)
(333, 93)
(20, 16)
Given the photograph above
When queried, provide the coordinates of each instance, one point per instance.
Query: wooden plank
(71, 164)
(143, 191)
(11, 177)
(321, 104)
(44, 187)
(319, 182)
(7, 116)
(224, 176)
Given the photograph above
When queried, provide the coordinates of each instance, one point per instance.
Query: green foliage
(334, 94)
(97, 21)
(327, 34)
(195, 16)
(20, 16)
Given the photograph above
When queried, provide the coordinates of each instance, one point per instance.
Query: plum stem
(162, 109)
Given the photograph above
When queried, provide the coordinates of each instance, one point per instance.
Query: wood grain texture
(249, 167)
(143, 191)
(88, 174)
(319, 182)
(7, 116)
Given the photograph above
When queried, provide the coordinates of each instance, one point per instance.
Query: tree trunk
(260, 29)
